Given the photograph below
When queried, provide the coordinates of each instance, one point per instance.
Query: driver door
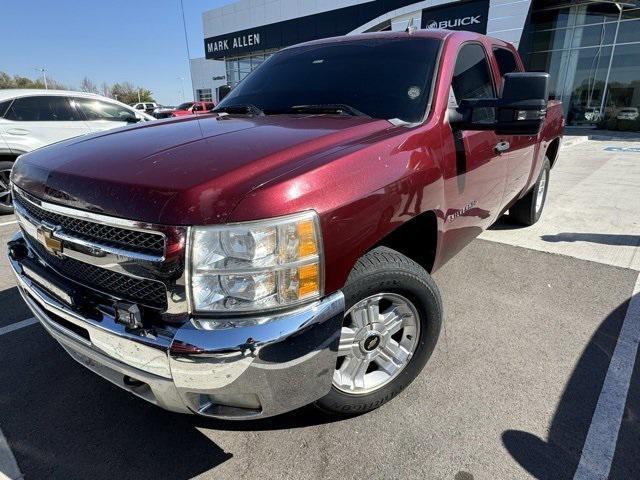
(474, 167)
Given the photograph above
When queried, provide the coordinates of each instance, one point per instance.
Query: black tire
(525, 210)
(386, 270)
(6, 206)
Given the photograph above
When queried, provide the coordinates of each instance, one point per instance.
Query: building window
(204, 95)
(592, 52)
(240, 67)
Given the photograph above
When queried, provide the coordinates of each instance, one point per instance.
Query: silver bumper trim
(237, 373)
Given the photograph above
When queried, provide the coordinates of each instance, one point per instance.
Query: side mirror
(520, 110)
(130, 118)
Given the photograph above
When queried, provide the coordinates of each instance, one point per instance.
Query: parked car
(592, 114)
(628, 113)
(30, 119)
(146, 107)
(193, 108)
(163, 111)
(279, 252)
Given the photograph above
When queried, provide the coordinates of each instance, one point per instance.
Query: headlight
(256, 265)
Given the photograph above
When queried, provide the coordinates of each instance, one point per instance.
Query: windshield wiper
(340, 108)
(243, 108)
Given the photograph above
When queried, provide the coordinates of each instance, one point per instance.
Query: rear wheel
(528, 209)
(6, 205)
(390, 328)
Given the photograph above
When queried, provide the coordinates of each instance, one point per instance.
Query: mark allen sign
(229, 44)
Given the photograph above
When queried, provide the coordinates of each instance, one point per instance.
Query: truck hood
(186, 171)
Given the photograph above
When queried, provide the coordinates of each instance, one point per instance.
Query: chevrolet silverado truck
(278, 252)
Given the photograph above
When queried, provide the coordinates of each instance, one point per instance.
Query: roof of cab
(438, 34)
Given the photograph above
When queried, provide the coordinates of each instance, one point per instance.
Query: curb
(572, 141)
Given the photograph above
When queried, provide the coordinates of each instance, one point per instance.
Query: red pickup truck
(279, 251)
(193, 108)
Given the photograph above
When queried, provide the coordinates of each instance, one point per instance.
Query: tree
(17, 81)
(125, 92)
(106, 90)
(88, 86)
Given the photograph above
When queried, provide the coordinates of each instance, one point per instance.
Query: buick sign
(471, 16)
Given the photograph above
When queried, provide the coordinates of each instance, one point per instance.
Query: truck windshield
(387, 78)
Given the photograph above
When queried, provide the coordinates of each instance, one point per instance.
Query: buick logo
(48, 241)
(455, 23)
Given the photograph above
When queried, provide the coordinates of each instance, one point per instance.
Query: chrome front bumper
(283, 363)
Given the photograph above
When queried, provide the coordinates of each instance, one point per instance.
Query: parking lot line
(8, 223)
(600, 444)
(8, 466)
(17, 325)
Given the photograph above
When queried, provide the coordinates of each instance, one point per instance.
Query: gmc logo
(458, 22)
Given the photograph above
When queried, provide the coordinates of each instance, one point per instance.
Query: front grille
(131, 240)
(146, 292)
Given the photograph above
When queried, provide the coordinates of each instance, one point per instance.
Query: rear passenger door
(33, 122)
(521, 150)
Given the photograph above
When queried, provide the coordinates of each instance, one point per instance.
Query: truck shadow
(558, 456)
(602, 238)
(505, 223)
(63, 422)
(302, 417)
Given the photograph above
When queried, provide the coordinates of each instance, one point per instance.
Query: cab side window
(42, 109)
(472, 79)
(506, 61)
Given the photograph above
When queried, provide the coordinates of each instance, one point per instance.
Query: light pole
(139, 95)
(182, 86)
(44, 76)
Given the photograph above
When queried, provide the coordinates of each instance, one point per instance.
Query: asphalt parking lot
(521, 381)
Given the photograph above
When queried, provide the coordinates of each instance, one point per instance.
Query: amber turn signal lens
(309, 280)
(307, 239)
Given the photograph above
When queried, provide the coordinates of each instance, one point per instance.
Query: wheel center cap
(371, 342)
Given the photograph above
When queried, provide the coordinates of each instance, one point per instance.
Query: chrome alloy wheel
(379, 336)
(542, 186)
(5, 188)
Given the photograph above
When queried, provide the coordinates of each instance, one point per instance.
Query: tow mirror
(520, 110)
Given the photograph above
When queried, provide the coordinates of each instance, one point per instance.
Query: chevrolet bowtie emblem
(46, 238)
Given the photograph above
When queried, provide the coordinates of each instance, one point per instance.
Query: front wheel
(391, 326)
(6, 205)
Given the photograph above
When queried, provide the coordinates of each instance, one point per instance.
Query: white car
(31, 119)
(629, 113)
(145, 106)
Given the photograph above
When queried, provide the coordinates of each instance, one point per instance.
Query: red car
(193, 108)
(279, 251)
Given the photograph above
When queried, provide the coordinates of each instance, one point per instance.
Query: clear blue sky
(141, 41)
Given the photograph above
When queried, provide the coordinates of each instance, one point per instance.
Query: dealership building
(590, 48)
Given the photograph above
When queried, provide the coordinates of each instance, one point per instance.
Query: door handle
(502, 146)
(18, 131)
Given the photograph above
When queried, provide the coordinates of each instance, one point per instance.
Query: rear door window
(42, 109)
(506, 61)
(99, 110)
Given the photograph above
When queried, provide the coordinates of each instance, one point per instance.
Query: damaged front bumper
(281, 363)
